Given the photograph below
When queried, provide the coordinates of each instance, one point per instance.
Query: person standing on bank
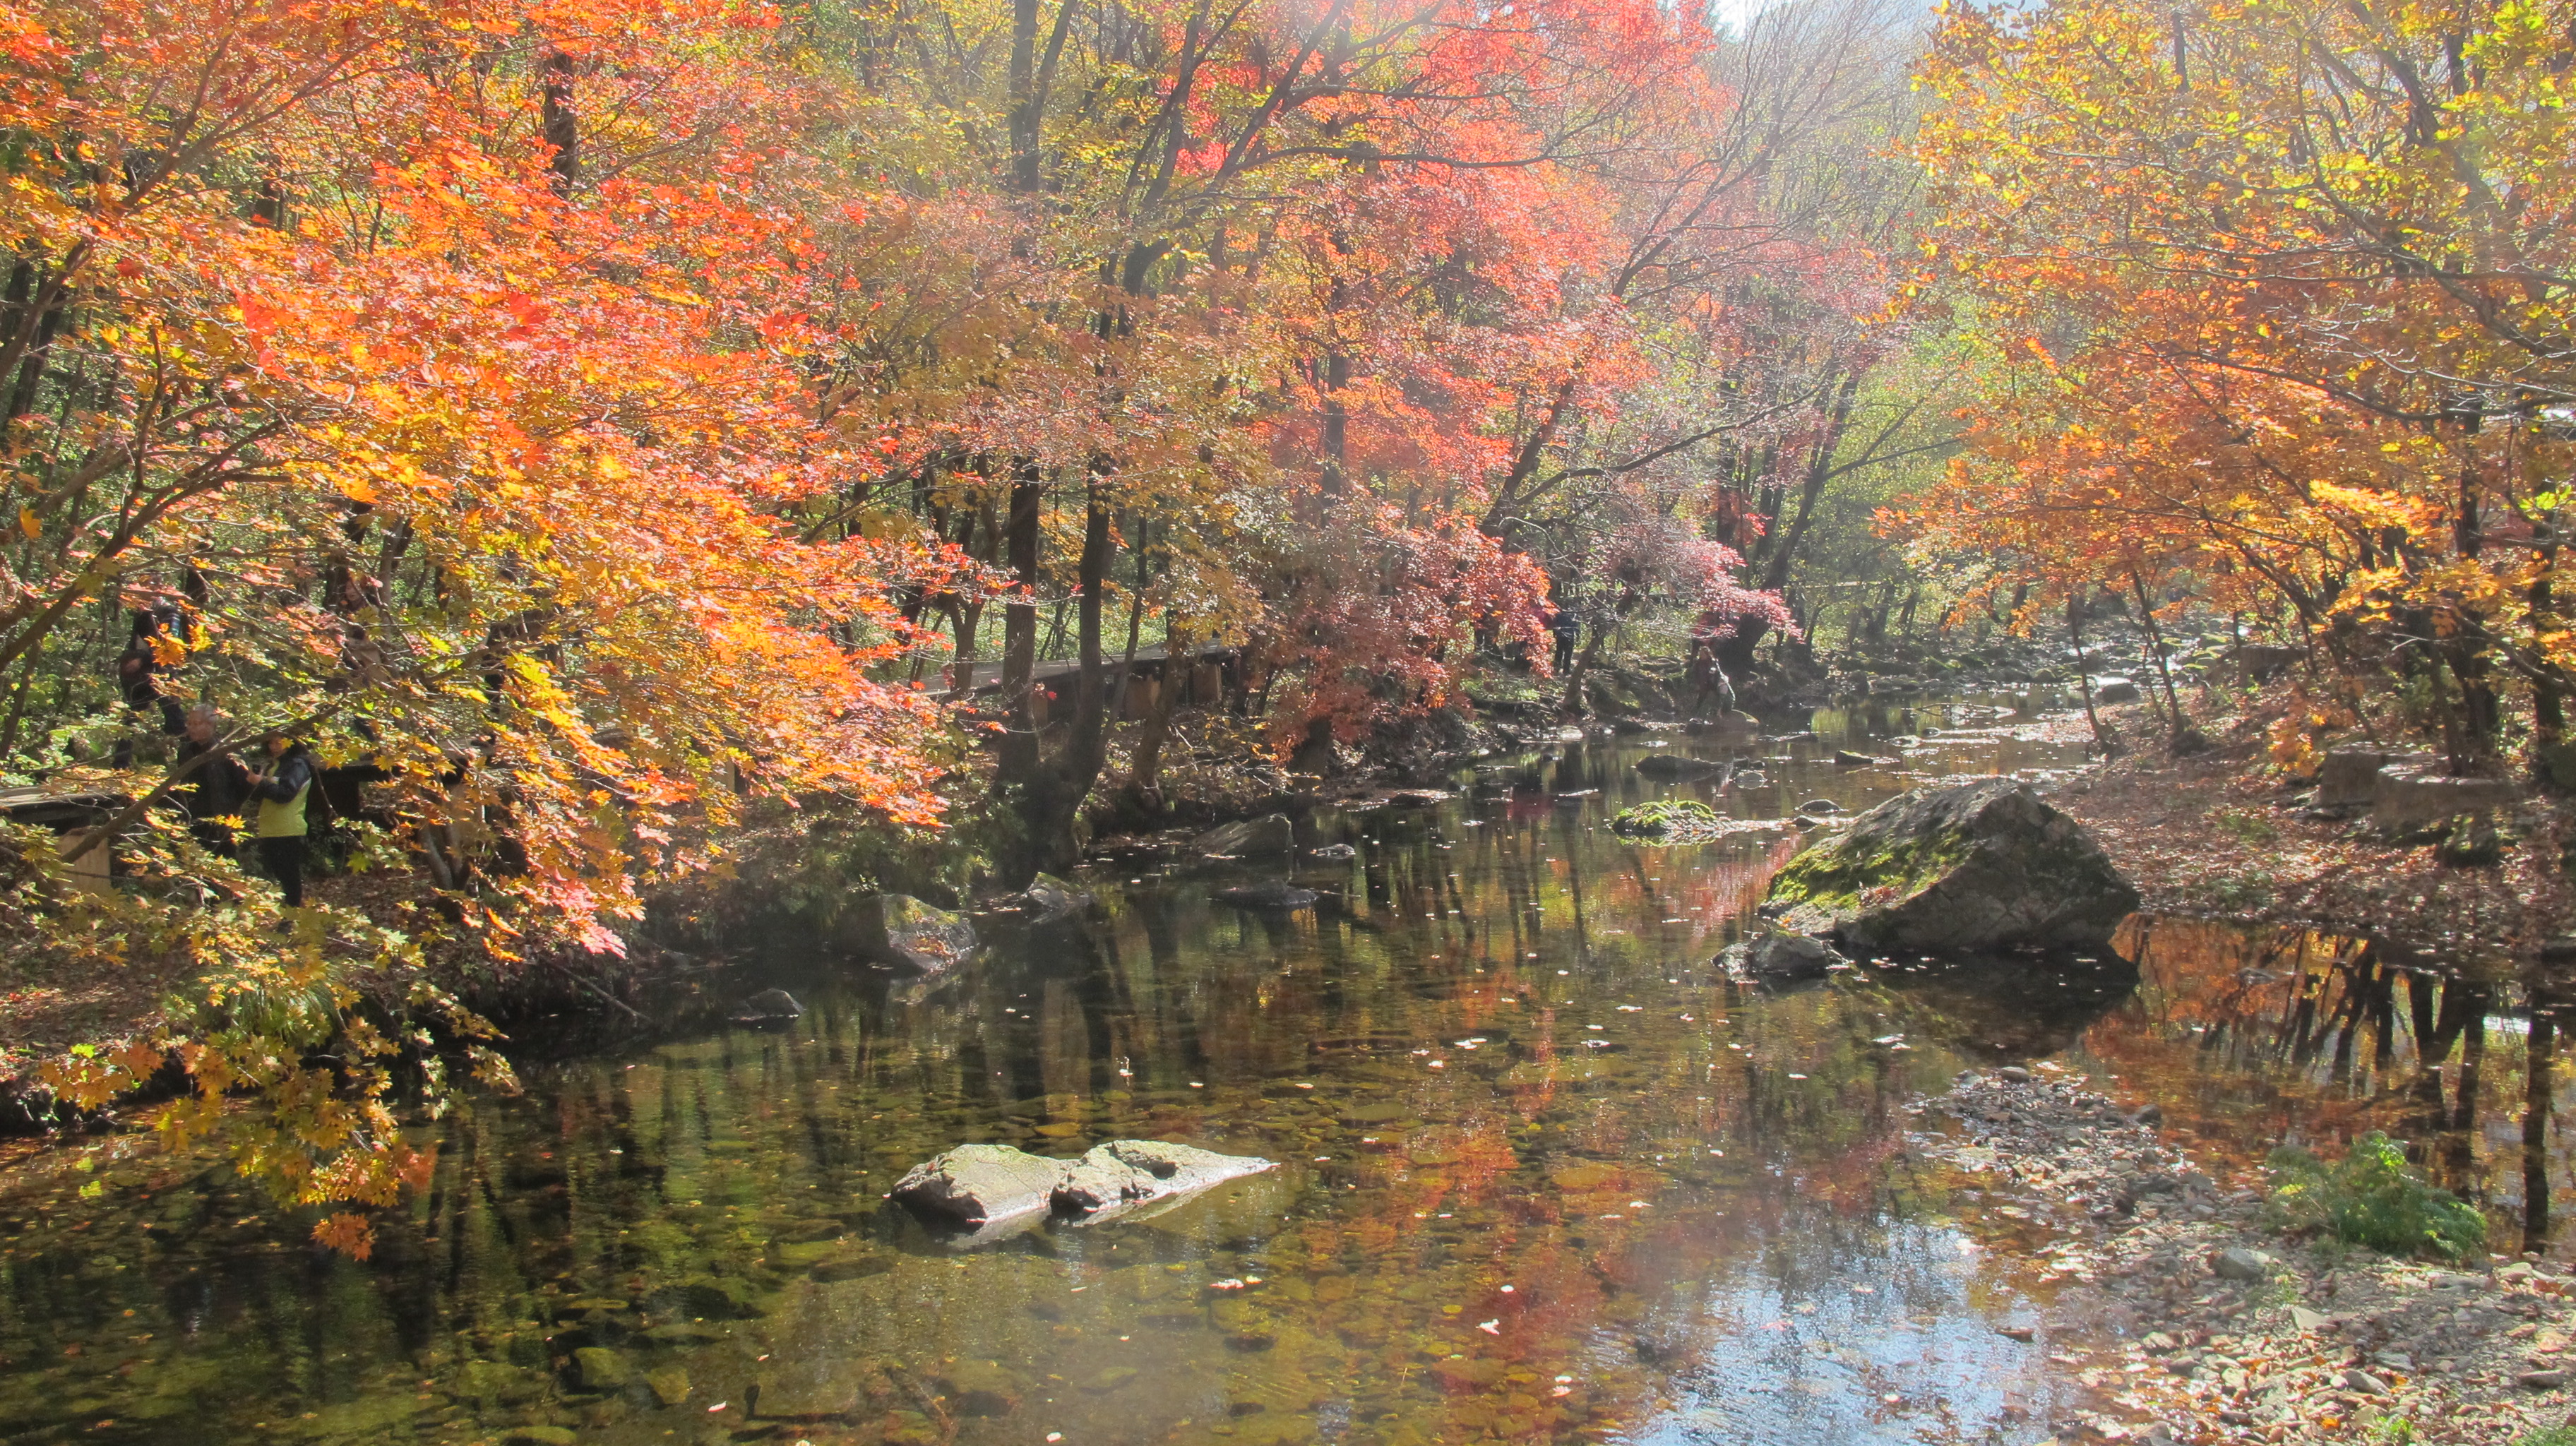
(219, 788)
(281, 789)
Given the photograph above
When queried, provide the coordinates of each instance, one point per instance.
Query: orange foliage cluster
(2269, 303)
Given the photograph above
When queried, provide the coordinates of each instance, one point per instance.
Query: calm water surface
(1544, 1175)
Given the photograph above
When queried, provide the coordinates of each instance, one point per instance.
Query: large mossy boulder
(1973, 867)
(901, 930)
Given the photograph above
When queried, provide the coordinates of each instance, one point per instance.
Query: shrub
(2372, 1198)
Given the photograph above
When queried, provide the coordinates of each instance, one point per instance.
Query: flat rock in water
(1267, 894)
(1973, 867)
(1337, 851)
(1131, 1172)
(901, 930)
(1268, 834)
(977, 1184)
(1779, 956)
(1679, 765)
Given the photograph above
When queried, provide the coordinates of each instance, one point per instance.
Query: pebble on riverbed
(2178, 1312)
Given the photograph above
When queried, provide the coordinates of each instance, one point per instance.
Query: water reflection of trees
(2318, 1036)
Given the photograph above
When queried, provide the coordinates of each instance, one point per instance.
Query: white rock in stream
(980, 1184)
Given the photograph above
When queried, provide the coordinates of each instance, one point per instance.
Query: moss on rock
(1971, 867)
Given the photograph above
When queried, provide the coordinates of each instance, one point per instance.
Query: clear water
(1544, 1176)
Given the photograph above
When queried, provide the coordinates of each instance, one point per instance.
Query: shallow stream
(1544, 1174)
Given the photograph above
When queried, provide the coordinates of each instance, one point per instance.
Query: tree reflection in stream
(1546, 1176)
(2300, 1037)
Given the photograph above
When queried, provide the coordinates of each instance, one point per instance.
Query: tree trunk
(2083, 677)
(1736, 653)
(2538, 1096)
(1019, 749)
(1158, 722)
(560, 124)
(1051, 797)
(2176, 727)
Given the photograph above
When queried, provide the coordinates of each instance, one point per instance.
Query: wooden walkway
(1147, 665)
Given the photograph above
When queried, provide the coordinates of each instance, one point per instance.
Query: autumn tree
(2269, 301)
(430, 382)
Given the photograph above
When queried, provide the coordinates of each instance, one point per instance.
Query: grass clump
(2373, 1198)
(1669, 818)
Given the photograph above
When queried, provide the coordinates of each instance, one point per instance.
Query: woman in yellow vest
(281, 789)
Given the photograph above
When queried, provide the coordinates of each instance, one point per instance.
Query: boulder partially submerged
(1245, 838)
(977, 1185)
(1972, 867)
(901, 930)
(769, 1005)
(1048, 898)
(1125, 1173)
(1779, 956)
(1679, 765)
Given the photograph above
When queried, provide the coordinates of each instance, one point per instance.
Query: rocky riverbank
(2188, 1320)
(2217, 833)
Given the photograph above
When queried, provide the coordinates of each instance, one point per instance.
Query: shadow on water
(1545, 1174)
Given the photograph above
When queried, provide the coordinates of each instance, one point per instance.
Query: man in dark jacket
(220, 787)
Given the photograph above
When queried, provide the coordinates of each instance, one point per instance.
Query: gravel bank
(2188, 1321)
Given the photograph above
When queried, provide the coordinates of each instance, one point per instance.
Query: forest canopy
(592, 424)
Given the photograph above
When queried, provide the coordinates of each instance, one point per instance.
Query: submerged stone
(597, 1368)
(1977, 866)
(1268, 894)
(1679, 765)
(981, 1388)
